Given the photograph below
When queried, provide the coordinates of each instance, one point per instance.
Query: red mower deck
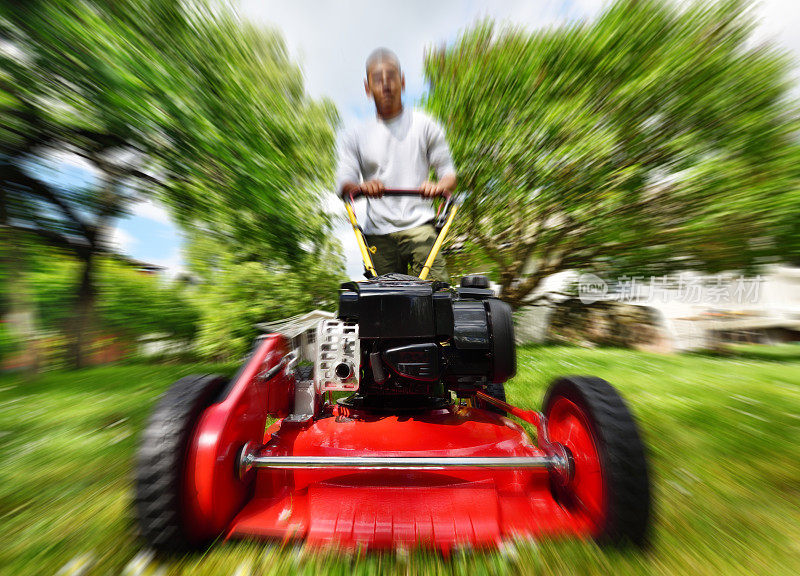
(388, 508)
(443, 507)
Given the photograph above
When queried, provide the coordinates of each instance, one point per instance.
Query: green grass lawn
(723, 436)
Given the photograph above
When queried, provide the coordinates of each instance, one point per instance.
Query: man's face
(385, 84)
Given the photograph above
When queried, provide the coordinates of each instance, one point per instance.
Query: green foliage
(129, 304)
(53, 284)
(137, 304)
(8, 342)
(188, 90)
(250, 149)
(237, 292)
(651, 139)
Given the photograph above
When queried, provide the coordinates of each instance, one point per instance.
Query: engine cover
(423, 338)
(395, 308)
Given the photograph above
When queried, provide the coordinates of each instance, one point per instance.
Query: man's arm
(441, 161)
(348, 172)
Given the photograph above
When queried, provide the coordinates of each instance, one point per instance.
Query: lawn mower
(396, 434)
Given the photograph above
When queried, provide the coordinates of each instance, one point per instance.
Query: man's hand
(432, 189)
(373, 188)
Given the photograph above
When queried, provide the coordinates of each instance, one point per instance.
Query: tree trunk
(515, 296)
(81, 329)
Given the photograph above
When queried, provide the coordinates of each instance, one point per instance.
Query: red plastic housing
(212, 492)
(369, 508)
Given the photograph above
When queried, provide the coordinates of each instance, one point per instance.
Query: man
(396, 149)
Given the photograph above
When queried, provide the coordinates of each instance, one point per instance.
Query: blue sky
(147, 234)
(330, 40)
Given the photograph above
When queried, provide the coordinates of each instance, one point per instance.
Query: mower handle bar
(397, 192)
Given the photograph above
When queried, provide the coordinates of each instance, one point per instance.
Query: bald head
(382, 55)
(385, 82)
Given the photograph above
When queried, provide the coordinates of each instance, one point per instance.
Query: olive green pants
(406, 251)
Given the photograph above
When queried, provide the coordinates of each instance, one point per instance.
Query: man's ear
(366, 88)
(402, 82)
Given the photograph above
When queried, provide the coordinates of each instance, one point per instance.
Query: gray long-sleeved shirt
(400, 153)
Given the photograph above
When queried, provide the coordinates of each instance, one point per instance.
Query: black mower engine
(402, 341)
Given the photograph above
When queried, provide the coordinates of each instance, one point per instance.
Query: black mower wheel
(624, 516)
(160, 461)
(504, 351)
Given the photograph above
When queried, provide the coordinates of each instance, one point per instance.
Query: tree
(237, 291)
(178, 100)
(652, 139)
(133, 304)
(129, 304)
(243, 141)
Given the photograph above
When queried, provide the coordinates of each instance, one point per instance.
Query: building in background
(682, 312)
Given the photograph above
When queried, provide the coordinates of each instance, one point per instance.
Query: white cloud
(352, 255)
(344, 232)
(152, 211)
(59, 157)
(331, 40)
(173, 263)
(122, 241)
(779, 21)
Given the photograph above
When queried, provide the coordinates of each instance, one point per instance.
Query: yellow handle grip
(423, 275)
(362, 244)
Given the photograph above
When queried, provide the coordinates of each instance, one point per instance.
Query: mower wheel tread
(504, 351)
(622, 457)
(160, 460)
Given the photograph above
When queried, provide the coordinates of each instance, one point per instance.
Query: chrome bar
(402, 463)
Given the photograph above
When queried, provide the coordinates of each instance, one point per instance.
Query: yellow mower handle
(443, 224)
